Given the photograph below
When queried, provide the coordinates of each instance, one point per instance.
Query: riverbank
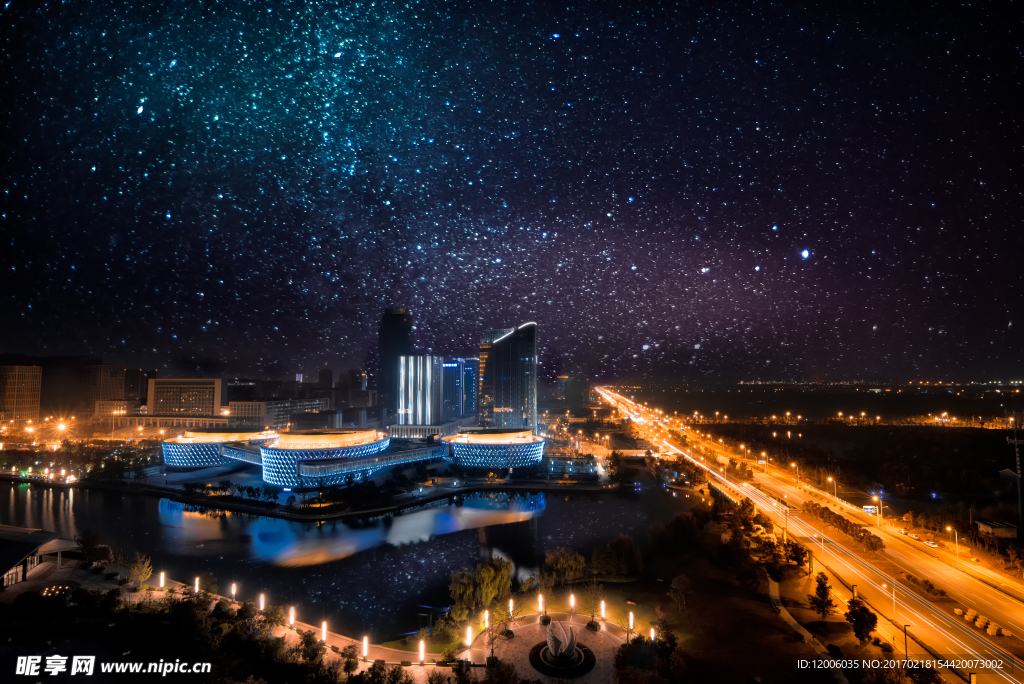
(293, 514)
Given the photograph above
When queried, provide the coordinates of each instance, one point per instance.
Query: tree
(592, 595)
(273, 616)
(545, 583)
(821, 600)
(862, 620)
(89, 543)
(311, 649)
(620, 558)
(139, 568)
(681, 587)
(350, 655)
(796, 553)
(501, 672)
(565, 565)
(480, 586)
(208, 583)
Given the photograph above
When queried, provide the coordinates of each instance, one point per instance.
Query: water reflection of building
(298, 544)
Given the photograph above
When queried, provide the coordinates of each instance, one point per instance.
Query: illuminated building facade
(470, 386)
(184, 397)
(295, 459)
(273, 414)
(19, 394)
(507, 396)
(453, 370)
(420, 390)
(281, 459)
(203, 449)
(495, 448)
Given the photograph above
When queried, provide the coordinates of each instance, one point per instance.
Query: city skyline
(700, 194)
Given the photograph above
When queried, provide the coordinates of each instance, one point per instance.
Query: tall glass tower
(394, 339)
(508, 378)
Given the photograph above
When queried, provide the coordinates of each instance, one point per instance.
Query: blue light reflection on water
(364, 577)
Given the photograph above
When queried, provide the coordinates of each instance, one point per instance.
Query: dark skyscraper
(326, 380)
(394, 340)
(508, 378)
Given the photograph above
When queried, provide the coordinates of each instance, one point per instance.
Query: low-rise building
(997, 529)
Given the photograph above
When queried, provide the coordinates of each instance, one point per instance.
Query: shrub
(993, 629)
(958, 611)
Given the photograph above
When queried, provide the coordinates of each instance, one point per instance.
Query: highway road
(931, 624)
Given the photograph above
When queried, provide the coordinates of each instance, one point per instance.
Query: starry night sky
(240, 188)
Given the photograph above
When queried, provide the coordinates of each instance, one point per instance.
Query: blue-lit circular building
(296, 459)
(203, 449)
(495, 448)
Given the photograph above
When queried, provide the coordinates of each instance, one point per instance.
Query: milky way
(708, 191)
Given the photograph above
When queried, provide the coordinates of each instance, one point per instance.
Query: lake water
(380, 578)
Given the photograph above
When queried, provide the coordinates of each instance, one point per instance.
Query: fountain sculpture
(561, 655)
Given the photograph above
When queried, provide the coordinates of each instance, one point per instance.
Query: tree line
(856, 532)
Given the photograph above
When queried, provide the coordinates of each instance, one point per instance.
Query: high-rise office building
(420, 390)
(470, 380)
(508, 378)
(453, 396)
(394, 340)
(136, 383)
(326, 378)
(19, 394)
(184, 397)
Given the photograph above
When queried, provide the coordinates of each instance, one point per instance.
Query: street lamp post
(893, 598)
(957, 537)
(794, 465)
(835, 487)
(879, 500)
